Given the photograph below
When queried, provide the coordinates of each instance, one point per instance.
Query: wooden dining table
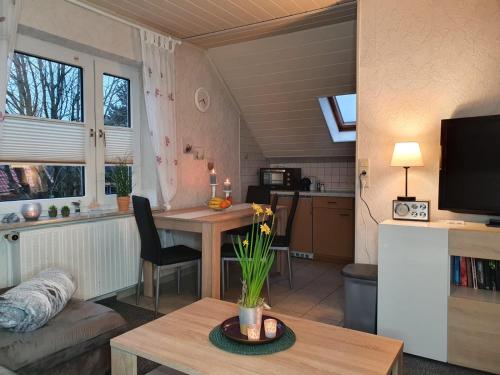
(211, 224)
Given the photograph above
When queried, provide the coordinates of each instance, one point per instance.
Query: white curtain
(9, 18)
(159, 90)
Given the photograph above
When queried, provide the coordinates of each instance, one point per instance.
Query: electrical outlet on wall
(364, 171)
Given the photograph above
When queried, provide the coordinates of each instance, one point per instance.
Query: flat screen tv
(469, 177)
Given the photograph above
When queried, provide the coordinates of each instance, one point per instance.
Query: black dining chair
(255, 194)
(228, 255)
(174, 256)
(282, 243)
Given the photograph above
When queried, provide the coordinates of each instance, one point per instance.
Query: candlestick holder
(227, 193)
(214, 190)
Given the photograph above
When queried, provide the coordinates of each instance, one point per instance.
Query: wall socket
(364, 165)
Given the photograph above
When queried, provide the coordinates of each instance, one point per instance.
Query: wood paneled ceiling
(210, 23)
(276, 82)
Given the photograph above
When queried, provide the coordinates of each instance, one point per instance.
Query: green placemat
(222, 342)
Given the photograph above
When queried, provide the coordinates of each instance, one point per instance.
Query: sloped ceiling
(276, 82)
(210, 23)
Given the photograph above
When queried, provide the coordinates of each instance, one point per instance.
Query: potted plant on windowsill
(123, 184)
(256, 259)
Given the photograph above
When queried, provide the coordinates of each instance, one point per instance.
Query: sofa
(76, 341)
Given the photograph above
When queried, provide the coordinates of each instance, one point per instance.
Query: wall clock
(202, 99)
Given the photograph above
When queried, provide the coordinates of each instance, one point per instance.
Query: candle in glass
(253, 332)
(270, 326)
(213, 177)
(227, 185)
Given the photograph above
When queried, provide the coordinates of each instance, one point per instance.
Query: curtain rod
(116, 18)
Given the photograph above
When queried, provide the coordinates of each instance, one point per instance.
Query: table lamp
(406, 155)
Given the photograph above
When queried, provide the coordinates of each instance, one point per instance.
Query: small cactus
(65, 211)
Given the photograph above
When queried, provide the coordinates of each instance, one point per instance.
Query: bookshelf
(474, 314)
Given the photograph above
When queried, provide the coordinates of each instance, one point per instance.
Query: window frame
(337, 113)
(91, 95)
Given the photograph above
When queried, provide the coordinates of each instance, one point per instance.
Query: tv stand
(418, 303)
(495, 223)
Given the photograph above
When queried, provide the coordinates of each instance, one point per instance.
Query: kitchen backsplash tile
(335, 175)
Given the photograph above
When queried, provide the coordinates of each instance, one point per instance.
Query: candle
(270, 326)
(253, 332)
(227, 185)
(213, 177)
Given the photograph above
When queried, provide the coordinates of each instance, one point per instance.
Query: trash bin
(360, 287)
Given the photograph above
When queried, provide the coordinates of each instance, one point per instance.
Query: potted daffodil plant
(256, 259)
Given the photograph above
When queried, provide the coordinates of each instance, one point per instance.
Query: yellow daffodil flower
(269, 212)
(257, 208)
(264, 228)
(245, 243)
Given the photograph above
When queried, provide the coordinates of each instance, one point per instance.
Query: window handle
(102, 134)
(92, 135)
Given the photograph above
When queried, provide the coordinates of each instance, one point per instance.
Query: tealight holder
(270, 326)
(227, 193)
(253, 332)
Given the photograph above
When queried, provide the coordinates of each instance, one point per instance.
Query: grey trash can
(360, 287)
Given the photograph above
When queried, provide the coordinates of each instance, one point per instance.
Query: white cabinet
(413, 286)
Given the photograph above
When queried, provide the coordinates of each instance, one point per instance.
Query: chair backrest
(150, 240)
(258, 194)
(291, 216)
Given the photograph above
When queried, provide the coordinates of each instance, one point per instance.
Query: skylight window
(346, 105)
(340, 116)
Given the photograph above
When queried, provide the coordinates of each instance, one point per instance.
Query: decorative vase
(249, 315)
(31, 211)
(123, 203)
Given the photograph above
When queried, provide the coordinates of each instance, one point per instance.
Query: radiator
(103, 256)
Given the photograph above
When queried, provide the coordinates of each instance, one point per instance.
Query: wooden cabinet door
(333, 234)
(302, 223)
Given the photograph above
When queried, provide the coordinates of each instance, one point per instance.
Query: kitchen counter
(330, 193)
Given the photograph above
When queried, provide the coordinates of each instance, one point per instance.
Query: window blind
(54, 142)
(119, 145)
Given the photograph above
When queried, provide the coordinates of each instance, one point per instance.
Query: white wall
(419, 62)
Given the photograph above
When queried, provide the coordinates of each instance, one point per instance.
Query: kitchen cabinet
(333, 229)
(323, 227)
(302, 230)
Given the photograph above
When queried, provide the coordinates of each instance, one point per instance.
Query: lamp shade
(407, 154)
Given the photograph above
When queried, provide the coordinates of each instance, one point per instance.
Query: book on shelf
(475, 273)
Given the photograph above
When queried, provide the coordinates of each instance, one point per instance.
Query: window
(44, 88)
(70, 118)
(344, 111)
(339, 112)
(24, 182)
(116, 99)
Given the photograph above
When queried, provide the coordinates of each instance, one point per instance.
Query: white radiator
(103, 256)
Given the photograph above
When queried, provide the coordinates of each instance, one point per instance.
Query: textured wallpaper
(419, 62)
(216, 131)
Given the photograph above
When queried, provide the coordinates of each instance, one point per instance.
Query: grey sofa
(76, 341)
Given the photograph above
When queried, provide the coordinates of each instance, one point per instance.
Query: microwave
(280, 178)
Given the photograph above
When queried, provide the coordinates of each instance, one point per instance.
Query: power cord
(362, 188)
(362, 185)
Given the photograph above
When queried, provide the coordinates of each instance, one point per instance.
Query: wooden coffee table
(180, 341)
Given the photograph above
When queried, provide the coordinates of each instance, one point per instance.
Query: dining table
(211, 224)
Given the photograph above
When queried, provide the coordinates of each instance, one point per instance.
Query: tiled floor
(318, 292)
